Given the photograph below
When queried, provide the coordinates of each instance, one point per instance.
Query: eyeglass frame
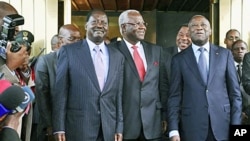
(137, 24)
(70, 38)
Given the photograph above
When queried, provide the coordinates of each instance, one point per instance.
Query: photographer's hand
(16, 59)
(12, 121)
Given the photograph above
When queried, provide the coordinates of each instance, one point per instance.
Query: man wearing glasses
(142, 102)
(231, 36)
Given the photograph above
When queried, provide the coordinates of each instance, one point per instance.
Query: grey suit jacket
(7, 73)
(191, 103)
(80, 108)
(45, 72)
(142, 101)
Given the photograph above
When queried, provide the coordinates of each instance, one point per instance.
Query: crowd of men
(128, 89)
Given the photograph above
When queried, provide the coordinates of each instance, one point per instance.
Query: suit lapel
(124, 50)
(213, 61)
(87, 62)
(111, 68)
(55, 60)
(148, 55)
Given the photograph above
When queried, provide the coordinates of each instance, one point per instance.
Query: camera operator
(14, 60)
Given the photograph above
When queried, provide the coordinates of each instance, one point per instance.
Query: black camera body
(8, 31)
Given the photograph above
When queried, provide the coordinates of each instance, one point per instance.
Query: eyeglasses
(233, 38)
(137, 24)
(71, 38)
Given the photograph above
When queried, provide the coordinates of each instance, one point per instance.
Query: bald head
(54, 43)
(6, 9)
(68, 34)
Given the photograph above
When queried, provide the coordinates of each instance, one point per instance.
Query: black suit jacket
(168, 53)
(246, 73)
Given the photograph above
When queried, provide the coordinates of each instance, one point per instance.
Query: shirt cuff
(173, 133)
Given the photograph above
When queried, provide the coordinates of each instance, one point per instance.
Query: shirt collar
(138, 44)
(92, 45)
(206, 46)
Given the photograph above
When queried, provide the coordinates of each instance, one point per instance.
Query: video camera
(8, 31)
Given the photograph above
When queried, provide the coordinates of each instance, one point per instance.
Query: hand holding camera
(16, 59)
(15, 49)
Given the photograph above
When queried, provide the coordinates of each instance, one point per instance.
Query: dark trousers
(210, 135)
(100, 135)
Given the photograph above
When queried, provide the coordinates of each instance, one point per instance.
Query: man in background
(55, 43)
(45, 73)
(231, 36)
(239, 49)
(11, 61)
(183, 41)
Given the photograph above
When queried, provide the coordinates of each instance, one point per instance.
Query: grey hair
(123, 18)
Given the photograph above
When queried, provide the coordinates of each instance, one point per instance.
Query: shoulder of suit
(150, 44)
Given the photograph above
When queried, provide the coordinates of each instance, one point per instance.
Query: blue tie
(202, 64)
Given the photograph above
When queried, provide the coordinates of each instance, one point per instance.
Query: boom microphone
(10, 99)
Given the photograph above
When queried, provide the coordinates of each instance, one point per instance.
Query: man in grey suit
(142, 102)
(87, 105)
(204, 96)
(45, 73)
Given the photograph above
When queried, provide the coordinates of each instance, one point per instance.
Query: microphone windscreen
(4, 84)
(12, 97)
(29, 97)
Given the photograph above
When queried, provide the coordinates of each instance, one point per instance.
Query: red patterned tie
(139, 63)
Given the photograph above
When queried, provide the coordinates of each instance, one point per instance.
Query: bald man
(45, 73)
(54, 43)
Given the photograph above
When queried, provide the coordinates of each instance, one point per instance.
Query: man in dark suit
(45, 73)
(183, 41)
(142, 102)
(204, 96)
(246, 73)
(239, 49)
(87, 104)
